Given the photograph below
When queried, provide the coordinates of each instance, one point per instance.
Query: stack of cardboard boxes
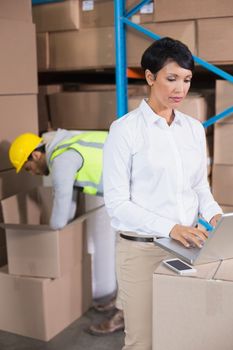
(47, 283)
(79, 34)
(211, 21)
(18, 89)
(223, 155)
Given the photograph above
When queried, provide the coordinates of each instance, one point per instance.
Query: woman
(155, 182)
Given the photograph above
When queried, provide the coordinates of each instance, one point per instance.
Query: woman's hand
(189, 236)
(215, 219)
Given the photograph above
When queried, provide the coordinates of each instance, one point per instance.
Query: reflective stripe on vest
(90, 147)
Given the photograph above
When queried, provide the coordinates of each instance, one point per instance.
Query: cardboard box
(41, 308)
(79, 14)
(58, 16)
(20, 110)
(12, 183)
(223, 143)
(195, 105)
(101, 13)
(195, 309)
(16, 10)
(222, 184)
(18, 69)
(83, 49)
(42, 48)
(167, 10)
(44, 119)
(87, 110)
(227, 208)
(134, 102)
(213, 34)
(224, 99)
(33, 248)
(138, 42)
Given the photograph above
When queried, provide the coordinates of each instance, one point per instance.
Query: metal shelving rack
(121, 20)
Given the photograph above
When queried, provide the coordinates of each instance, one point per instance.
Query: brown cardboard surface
(224, 99)
(199, 105)
(204, 271)
(167, 10)
(225, 271)
(223, 143)
(222, 184)
(33, 248)
(138, 42)
(58, 16)
(76, 14)
(43, 105)
(42, 48)
(86, 48)
(41, 308)
(87, 110)
(43, 113)
(213, 34)
(226, 208)
(12, 183)
(18, 114)
(16, 10)
(192, 308)
(18, 58)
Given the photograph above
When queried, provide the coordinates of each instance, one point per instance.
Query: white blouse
(155, 175)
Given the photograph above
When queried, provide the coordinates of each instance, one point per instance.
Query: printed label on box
(148, 8)
(88, 5)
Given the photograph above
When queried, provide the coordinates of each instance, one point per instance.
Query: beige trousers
(135, 264)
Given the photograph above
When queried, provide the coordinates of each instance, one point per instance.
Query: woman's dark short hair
(166, 50)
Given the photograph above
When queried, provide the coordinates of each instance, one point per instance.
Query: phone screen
(179, 265)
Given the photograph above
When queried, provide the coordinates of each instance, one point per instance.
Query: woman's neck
(166, 113)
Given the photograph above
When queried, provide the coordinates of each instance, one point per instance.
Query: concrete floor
(73, 337)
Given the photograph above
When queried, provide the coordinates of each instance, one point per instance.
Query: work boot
(114, 324)
(105, 307)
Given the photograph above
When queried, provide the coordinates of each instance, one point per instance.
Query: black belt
(138, 239)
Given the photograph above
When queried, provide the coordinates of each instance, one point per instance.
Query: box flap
(22, 208)
(205, 271)
(225, 271)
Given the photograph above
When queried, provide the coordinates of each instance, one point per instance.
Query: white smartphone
(179, 266)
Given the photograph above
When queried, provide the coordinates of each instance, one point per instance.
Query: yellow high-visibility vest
(90, 146)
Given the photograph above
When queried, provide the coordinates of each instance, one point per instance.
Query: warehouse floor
(73, 337)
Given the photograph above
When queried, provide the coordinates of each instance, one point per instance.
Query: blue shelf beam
(121, 20)
(226, 113)
(40, 2)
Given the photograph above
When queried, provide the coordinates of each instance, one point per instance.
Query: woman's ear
(150, 77)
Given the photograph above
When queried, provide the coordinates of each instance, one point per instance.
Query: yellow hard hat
(21, 148)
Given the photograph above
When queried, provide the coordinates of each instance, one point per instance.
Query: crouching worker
(74, 160)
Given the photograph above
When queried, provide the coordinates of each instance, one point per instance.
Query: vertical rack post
(120, 45)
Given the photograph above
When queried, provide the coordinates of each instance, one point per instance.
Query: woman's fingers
(189, 236)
